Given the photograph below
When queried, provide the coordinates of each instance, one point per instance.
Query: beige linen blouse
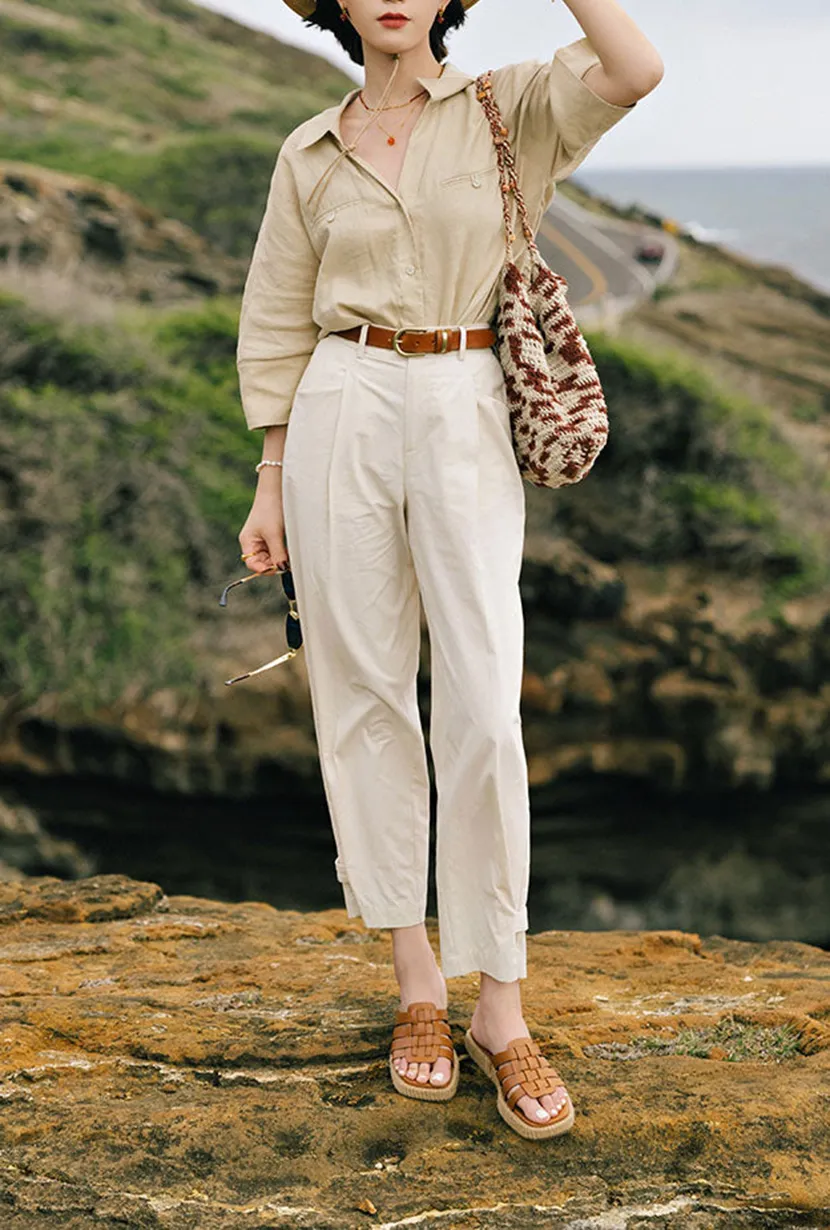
(340, 248)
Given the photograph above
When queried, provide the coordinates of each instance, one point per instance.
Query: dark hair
(326, 16)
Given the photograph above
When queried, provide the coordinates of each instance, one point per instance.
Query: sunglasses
(293, 631)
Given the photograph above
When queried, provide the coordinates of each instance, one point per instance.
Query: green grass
(741, 1042)
(126, 472)
(693, 471)
(21, 38)
(703, 498)
(173, 103)
(729, 1040)
(809, 411)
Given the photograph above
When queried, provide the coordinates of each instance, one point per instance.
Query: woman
(366, 354)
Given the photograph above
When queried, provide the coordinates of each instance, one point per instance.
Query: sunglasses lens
(293, 632)
(288, 584)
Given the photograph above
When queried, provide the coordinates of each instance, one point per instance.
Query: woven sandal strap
(421, 1028)
(418, 1054)
(423, 1033)
(524, 1071)
(421, 1011)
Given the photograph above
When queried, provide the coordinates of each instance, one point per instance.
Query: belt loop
(361, 345)
(462, 348)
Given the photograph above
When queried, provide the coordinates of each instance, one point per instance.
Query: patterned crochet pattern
(558, 415)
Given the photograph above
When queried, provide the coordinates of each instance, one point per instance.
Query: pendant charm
(390, 140)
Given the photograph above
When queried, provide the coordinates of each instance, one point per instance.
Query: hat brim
(305, 8)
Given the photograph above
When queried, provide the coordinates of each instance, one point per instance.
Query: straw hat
(306, 7)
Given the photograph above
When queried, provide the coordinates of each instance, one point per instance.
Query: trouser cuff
(383, 916)
(507, 962)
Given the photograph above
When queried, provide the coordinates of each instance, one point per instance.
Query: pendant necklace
(390, 139)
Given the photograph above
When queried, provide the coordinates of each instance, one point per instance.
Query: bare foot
(419, 978)
(497, 1020)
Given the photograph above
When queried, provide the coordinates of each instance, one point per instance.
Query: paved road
(597, 258)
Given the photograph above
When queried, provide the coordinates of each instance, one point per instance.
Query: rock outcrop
(664, 691)
(174, 1062)
(27, 849)
(95, 235)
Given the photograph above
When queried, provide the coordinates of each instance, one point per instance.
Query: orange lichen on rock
(179, 1061)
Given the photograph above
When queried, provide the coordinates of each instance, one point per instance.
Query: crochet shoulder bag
(558, 415)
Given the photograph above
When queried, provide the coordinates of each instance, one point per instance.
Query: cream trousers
(399, 486)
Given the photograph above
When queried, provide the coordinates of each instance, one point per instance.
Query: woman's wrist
(269, 469)
(270, 477)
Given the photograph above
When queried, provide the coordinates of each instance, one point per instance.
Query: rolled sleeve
(277, 333)
(550, 112)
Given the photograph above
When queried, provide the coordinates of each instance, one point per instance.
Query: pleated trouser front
(399, 486)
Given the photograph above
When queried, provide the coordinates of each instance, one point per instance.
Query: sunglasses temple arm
(252, 576)
(276, 662)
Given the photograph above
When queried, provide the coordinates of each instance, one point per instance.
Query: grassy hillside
(760, 339)
(179, 105)
(125, 473)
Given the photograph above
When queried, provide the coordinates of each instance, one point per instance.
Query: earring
(344, 13)
(441, 14)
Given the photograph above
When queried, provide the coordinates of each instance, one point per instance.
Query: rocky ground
(173, 1062)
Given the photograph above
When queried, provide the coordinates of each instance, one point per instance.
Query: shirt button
(476, 181)
(331, 217)
(410, 269)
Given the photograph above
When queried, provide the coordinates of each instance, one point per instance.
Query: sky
(746, 81)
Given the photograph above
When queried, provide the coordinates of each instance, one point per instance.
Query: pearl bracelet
(263, 463)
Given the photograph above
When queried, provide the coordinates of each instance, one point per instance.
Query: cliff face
(667, 689)
(174, 1062)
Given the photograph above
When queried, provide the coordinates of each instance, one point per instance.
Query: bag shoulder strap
(508, 178)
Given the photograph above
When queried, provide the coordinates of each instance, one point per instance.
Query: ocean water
(780, 215)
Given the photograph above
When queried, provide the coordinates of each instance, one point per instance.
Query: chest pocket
(339, 234)
(469, 204)
(472, 179)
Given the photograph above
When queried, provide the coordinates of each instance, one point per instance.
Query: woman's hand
(262, 537)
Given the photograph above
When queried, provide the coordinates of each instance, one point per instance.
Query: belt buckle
(415, 354)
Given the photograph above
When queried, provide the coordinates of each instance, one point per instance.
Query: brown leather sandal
(522, 1070)
(422, 1034)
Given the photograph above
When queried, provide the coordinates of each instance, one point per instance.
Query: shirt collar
(451, 81)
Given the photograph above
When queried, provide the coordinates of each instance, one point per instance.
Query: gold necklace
(390, 139)
(390, 106)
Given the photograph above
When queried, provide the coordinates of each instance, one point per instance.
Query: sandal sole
(481, 1057)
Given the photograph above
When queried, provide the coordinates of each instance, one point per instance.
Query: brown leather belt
(420, 341)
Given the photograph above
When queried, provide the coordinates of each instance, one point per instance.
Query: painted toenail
(438, 1076)
(541, 1113)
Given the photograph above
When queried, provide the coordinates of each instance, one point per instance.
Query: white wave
(707, 234)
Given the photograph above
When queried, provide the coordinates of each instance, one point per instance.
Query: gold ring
(248, 556)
